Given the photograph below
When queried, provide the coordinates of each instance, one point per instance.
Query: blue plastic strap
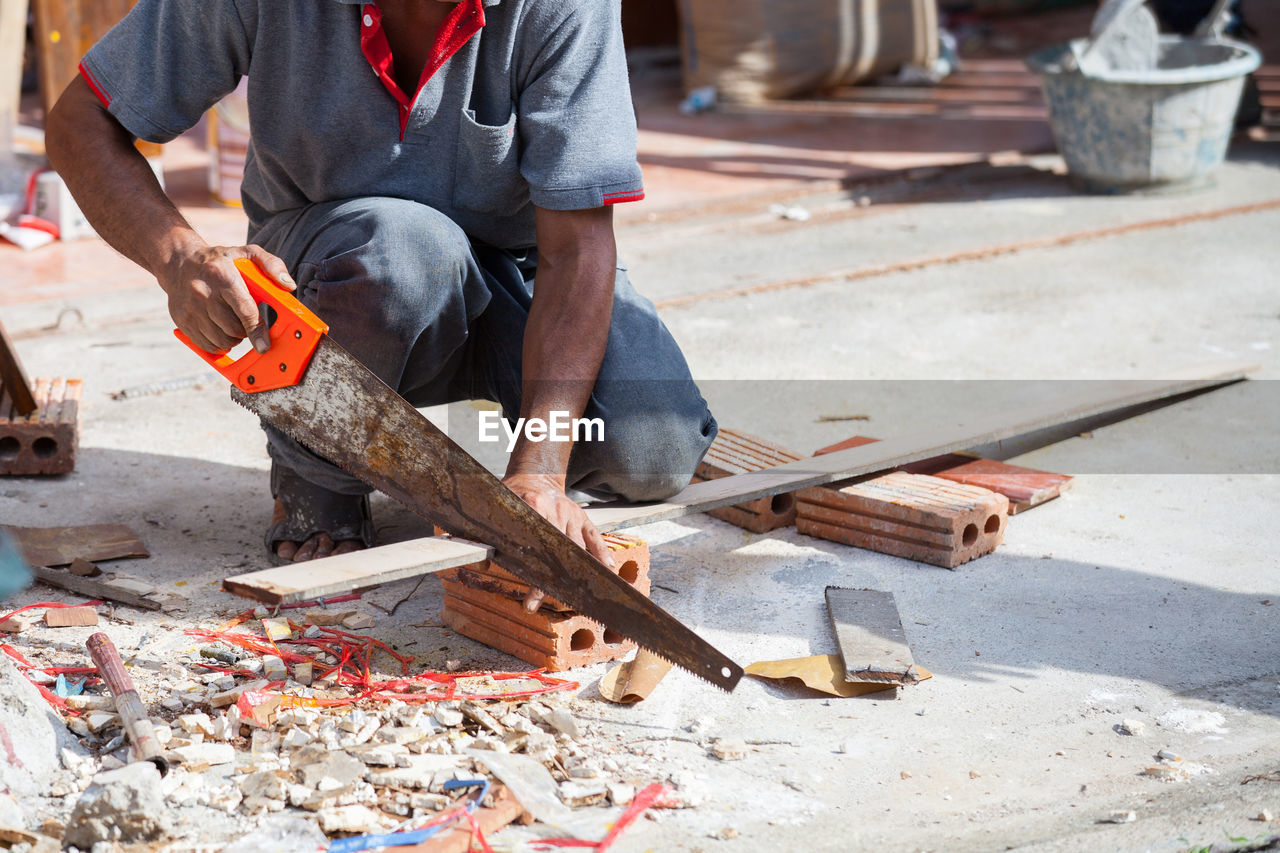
(416, 836)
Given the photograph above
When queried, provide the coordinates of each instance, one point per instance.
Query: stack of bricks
(915, 516)
(44, 441)
(735, 452)
(484, 601)
(1024, 487)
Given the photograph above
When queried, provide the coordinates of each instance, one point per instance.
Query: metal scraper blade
(343, 412)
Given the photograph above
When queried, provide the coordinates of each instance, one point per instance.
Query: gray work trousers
(441, 318)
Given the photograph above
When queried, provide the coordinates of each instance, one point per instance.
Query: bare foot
(319, 545)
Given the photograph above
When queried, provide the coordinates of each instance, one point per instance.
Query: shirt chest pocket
(487, 166)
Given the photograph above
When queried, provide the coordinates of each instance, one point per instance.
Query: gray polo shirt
(530, 104)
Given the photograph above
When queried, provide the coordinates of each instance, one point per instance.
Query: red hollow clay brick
(483, 601)
(915, 516)
(736, 452)
(554, 641)
(45, 441)
(1024, 487)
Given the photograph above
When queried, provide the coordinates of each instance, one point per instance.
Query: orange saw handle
(294, 337)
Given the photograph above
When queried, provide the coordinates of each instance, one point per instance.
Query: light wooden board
(869, 634)
(341, 574)
(387, 563)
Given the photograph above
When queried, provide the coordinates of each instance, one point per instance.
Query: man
(435, 179)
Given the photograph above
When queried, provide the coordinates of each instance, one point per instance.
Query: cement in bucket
(1165, 129)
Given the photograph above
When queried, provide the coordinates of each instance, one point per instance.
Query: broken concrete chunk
(303, 673)
(1134, 728)
(265, 783)
(620, 793)
(379, 754)
(86, 702)
(295, 738)
(264, 742)
(19, 623)
(327, 618)
(483, 717)
(1166, 773)
(428, 802)
(358, 819)
(353, 721)
(193, 723)
(358, 622)
(277, 629)
(273, 668)
(563, 722)
(575, 794)
(100, 721)
(230, 697)
(205, 753)
(336, 770)
(727, 749)
(1121, 816)
(447, 716)
(125, 806)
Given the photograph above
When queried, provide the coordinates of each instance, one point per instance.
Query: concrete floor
(1146, 592)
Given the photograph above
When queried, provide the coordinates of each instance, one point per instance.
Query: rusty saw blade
(343, 412)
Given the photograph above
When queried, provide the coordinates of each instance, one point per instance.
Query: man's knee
(648, 458)
(396, 250)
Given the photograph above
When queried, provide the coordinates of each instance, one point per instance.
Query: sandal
(311, 509)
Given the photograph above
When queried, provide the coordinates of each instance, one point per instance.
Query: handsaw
(312, 389)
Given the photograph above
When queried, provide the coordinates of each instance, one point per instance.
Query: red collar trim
(466, 19)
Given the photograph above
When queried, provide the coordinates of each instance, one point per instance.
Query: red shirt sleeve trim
(623, 196)
(94, 86)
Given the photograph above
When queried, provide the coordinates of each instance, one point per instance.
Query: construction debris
(355, 753)
(123, 806)
(869, 634)
(634, 680)
(70, 617)
(824, 673)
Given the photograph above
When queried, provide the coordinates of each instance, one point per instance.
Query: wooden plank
(333, 575)
(65, 30)
(869, 633)
(61, 546)
(93, 588)
(13, 38)
(387, 563)
(13, 379)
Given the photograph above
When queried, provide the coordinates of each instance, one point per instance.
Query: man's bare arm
(121, 198)
(564, 344)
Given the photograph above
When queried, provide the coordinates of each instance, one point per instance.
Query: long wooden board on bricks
(869, 633)
(387, 563)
